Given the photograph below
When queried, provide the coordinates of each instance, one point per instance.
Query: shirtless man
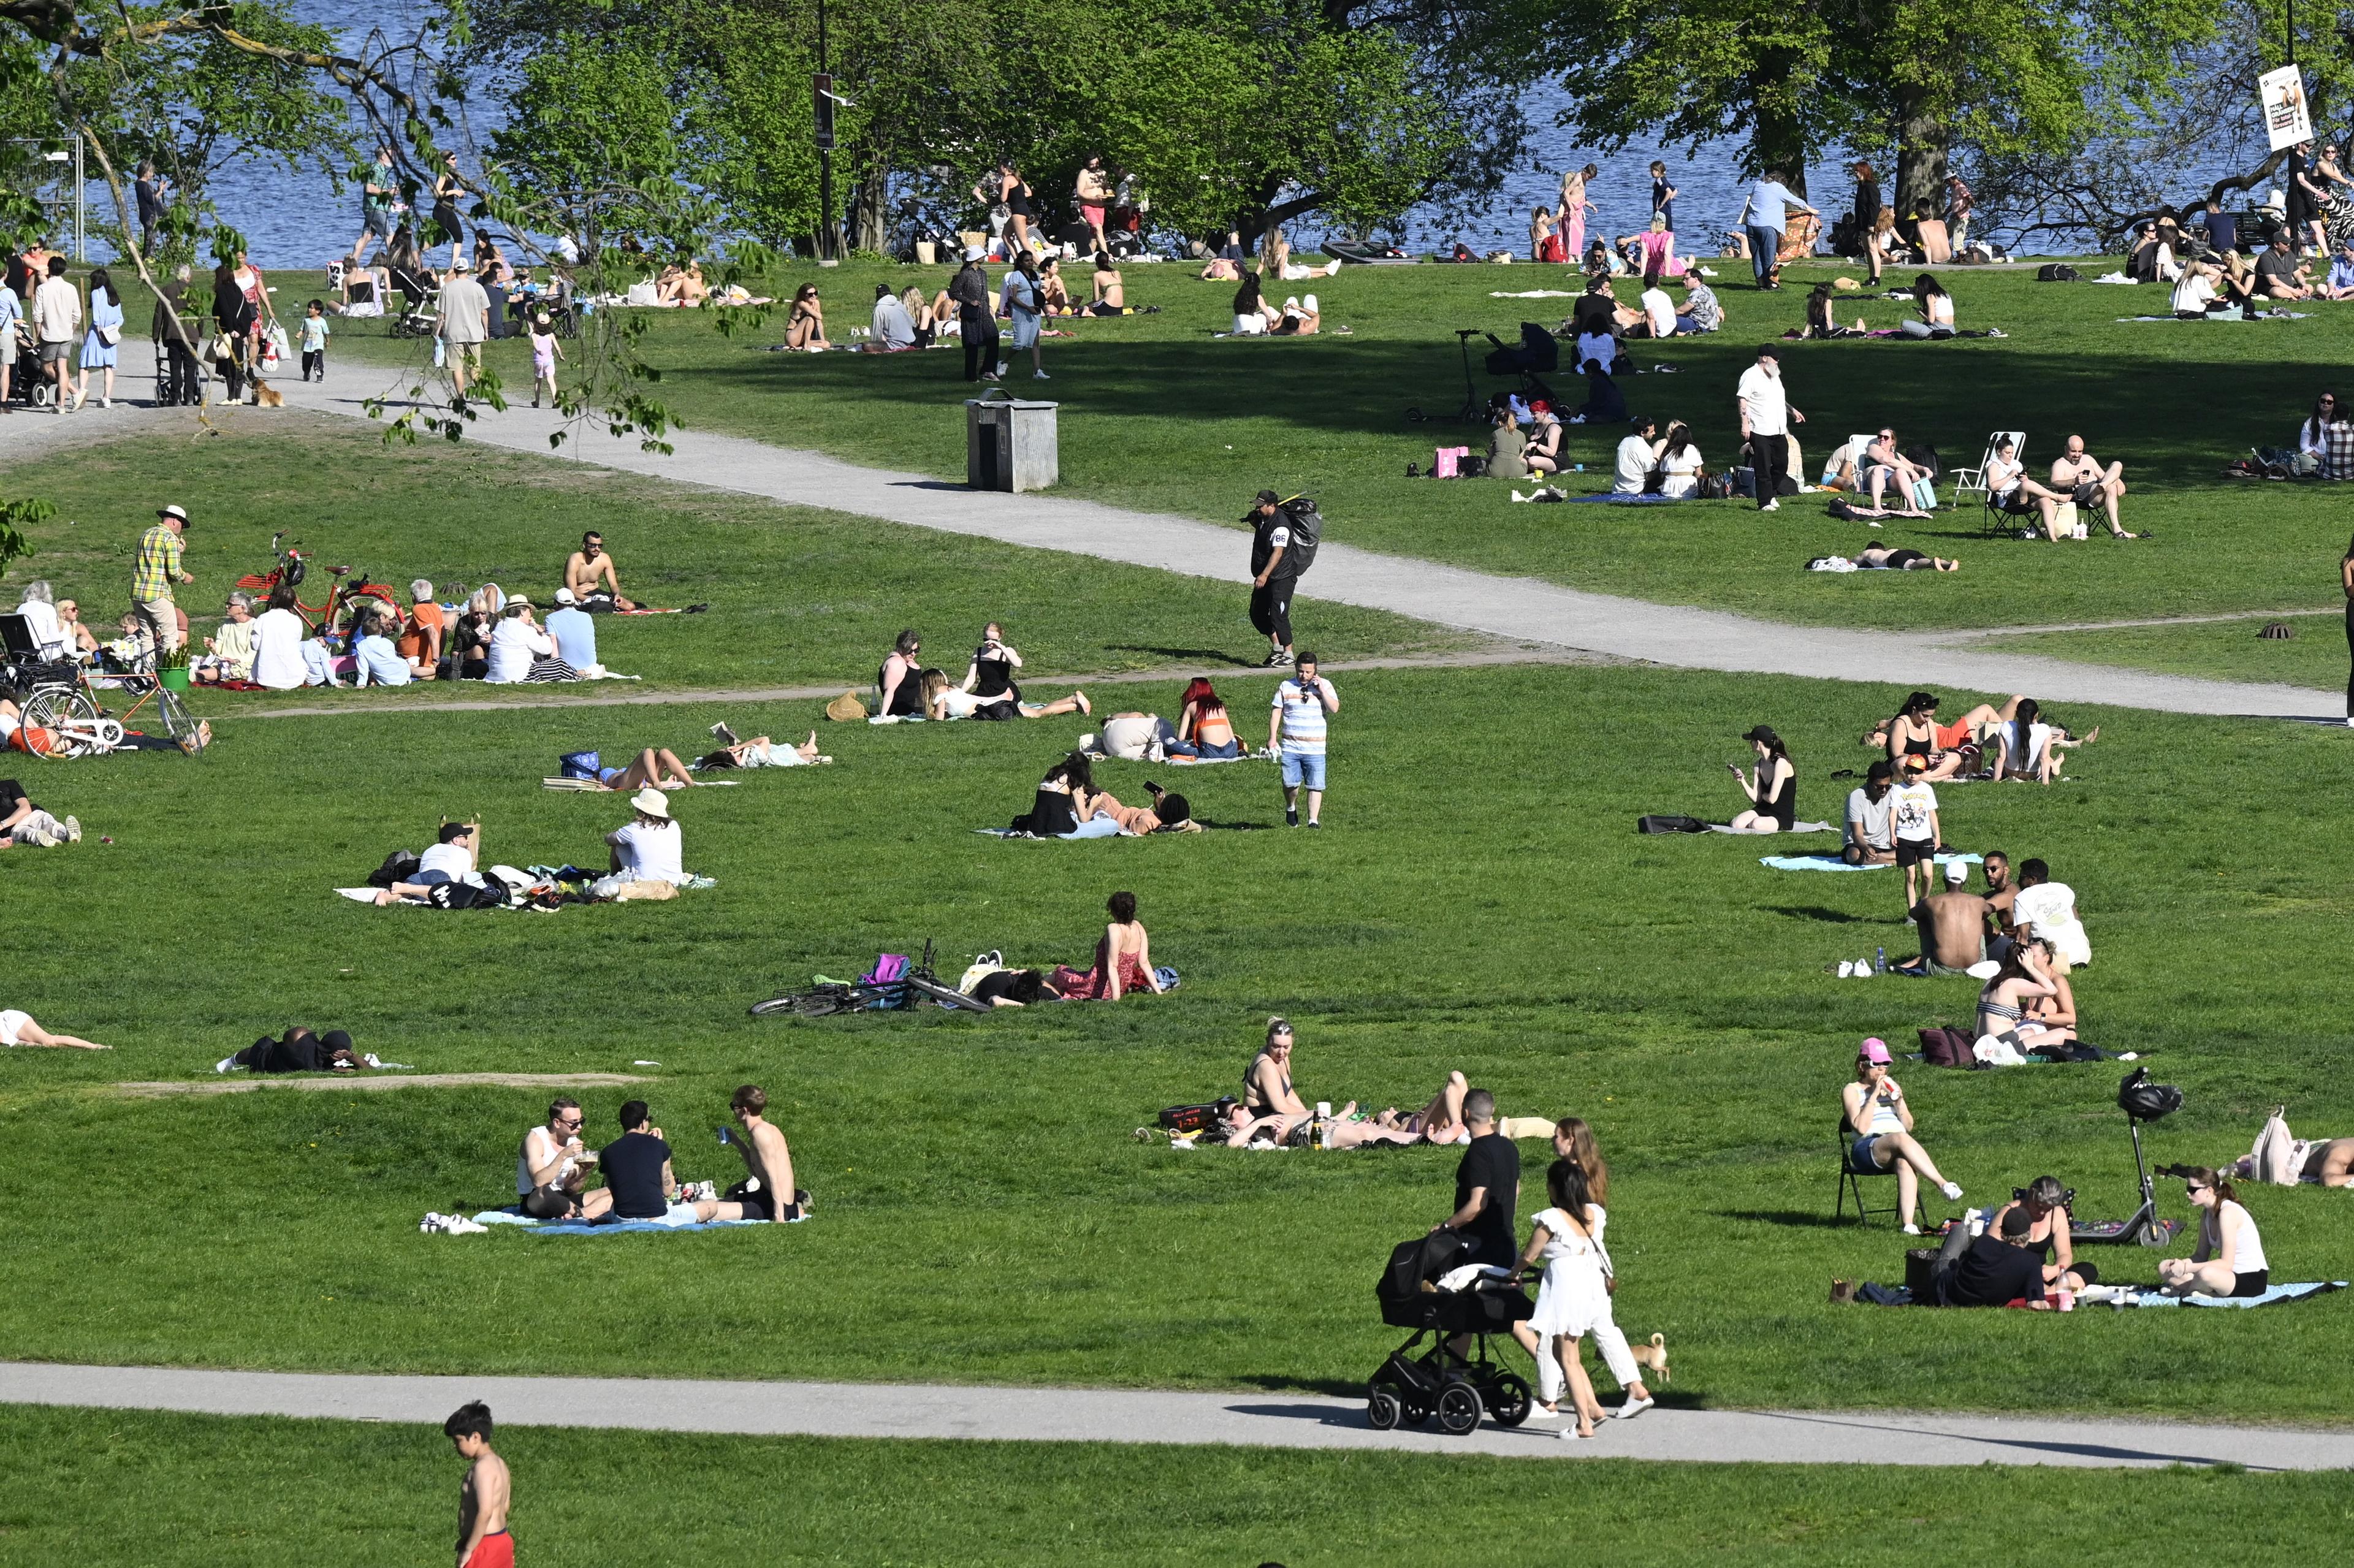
(1953, 925)
(767, 1159)
(549, 1170)
(2083, 479)
(590, 575)
(483, 1496)
(2000, 893)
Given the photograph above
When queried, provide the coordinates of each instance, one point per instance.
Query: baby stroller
(1458, 1390)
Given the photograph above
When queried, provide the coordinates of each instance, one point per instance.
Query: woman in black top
(1772, 786)
(1056, 808)
(446, 189)
(990, 675)
(237, 316)
(1867, 214)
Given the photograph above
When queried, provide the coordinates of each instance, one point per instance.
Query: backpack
(1715, 486)
(465, 896)
(1670, 825)
(1942, 1048)
(576, 764)
(2057, 272)
(1307, 525)
(889, 970)
(398, 867)
(1196, 1119)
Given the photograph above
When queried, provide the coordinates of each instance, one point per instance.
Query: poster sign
(2288, 119)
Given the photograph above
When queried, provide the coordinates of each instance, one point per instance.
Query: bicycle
(352, 598)
(830, 997)
(62, 719)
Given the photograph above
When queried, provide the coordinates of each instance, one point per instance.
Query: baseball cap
(1956, 871)
(1268, 498)
(1875, 1050)
(1917, 763)
(565, 596)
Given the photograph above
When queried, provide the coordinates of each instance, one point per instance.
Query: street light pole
(826, 248)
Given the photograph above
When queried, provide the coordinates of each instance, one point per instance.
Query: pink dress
(1090, 985)
(1659, 254)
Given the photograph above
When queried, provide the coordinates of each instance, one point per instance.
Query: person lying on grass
(455, 856)
(551, 1169)
(19, 1028)
(1167, 814)
(943, 701)
(1879, 1123)
(2045, 1203)
(1013, 988)
(2229, 1259)
(656, 768)
(23, 822)
(757, 752)
(1881, 557)
(299, 1051)
(1123, 959)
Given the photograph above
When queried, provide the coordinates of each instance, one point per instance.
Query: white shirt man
(515, 642)
(56, 311)
(1764, 404)
(2048, 910)
(1636, 457)
(1661, 311)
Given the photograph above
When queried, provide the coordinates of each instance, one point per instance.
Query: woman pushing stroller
(1573, 1298)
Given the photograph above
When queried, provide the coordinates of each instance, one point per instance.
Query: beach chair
(1972, 480)
(1847, 458)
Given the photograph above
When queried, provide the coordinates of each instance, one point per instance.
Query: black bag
(2146, 1101)
(1842, 511)
(465, 896)
(398, 867)
(1196, 1119)
(2057, 272)
(1670, 825)
(1922, 456)
(1742, 481)
(1307, 525)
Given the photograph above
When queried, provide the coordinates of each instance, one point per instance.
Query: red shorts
(1093, 214)
(496, 1551)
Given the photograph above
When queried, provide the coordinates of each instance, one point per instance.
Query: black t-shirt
(2280, 264)
(2298, 197)
(10, 793)
(632, 1165)
(1493, 1162)
(1592, 314)
(1991, 1272)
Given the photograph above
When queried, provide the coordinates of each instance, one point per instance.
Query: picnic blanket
(1530, 294)
(2226, 316)
(1793, 828)
(2278, 1293)
(583, 1228)
(1607, 498)
(592, 784)
(1093, 828)
(1833, 862)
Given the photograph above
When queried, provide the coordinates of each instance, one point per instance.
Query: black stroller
(1458, 1390)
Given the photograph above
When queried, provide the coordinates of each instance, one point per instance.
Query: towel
(592, 784)
(2227, 316)
(1833, 862)
(2297, 1292)
(1530, 294)
(1793, 828)
(1607, 498)
(1093, 828)
(583, 1228)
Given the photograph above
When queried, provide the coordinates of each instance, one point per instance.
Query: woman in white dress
(1574, 1300)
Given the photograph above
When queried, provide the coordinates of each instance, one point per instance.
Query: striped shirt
(159, 563)
(1303, 717)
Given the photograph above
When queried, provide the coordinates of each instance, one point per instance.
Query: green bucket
(175, 680)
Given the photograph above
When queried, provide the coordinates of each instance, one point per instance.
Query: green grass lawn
(1158, 414)
(2314, 655)
(1479, 900)
(113, 1487)
(798, 596)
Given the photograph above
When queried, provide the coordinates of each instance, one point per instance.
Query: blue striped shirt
(1303, 717)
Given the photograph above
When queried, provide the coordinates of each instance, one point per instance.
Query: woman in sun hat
(649, 847)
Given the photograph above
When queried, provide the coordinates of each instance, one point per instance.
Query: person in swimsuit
(1880, 557)
(2230, 1258)
(20, 1028)
(989, 680)
(2009, 489)
(805, 329)
(1054, 809)
(766, 1191)
(1879, 1124)
(1123, 959)
(2047, 1205)
(1772, 786)
(654, 767)
(2004, 1004)
(483, 1495)
(1203, 729)
(1267, 1092)
(592, 576)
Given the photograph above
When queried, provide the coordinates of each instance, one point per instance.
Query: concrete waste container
(1010, 444)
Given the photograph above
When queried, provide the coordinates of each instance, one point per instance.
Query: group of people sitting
(552, 1171)
(1271, 1111)
(2078, 478)
(907, 689)
(645, 857)
(1932, 314)
(2015, 740)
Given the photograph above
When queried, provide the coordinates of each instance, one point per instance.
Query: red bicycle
(352, 598)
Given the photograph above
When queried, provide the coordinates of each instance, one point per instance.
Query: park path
(1516, 608)
(1119, 1415)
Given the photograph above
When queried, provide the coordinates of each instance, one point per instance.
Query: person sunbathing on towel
(19, 1028)
(300, 1052)
(455, 855)
(757, 752)
(591, 576)
(656, 768)
(1167, 814)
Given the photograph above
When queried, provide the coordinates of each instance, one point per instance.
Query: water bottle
(1879, 961)
(1581, 467)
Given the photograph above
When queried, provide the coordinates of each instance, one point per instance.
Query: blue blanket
(1607, 498)
(583, 1228)
(2277, 1293)
(1833, 862)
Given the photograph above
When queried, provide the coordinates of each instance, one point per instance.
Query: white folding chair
(1972, 480)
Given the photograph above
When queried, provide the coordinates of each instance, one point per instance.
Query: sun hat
(180, 513)
(1875, 1050)
(651, 802)
(973, 253)
(1958, 871)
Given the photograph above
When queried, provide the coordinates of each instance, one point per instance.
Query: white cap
(565, 596)
(1958, 871)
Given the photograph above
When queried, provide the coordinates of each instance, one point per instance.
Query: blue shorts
(430, 878)
(1303, 767)
(1859, 1157)
(376, 221)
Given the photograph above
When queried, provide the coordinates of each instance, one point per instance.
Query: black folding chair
(1851, 1181)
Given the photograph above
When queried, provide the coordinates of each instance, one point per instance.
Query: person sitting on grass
(229, 652)
(2025, 747)
(2047, 909)
(1897, 738)
(1679, 463)
(1054, 294)
(551, 1169)
(1996, 1269)
(1605, 402)
(900, 681)
(2339, 284)
(1821, 321)
(1701, 311)
(766, 1191)
(2088, 484)
(574, 634)
(453, 857)
(2197, 293)
(1953, 928)
(1771, 786)
(23, 822)
(894, 330)
(1506, 447)
(1203, 727)
(2004, 1002)
(1659, 311)
(650, 846)
(1110, 295)
(521, 652)
(1543, 451)
(1054, 811)
(1123, 959)
(379, 662)
(1638, 455)
(2281, 273)
(18, 1027)
(805, 329)
(1252, 315)
(1936, 308)
(2010, 491)
(591, 573)
(2049, 1222)
(638, 1175)
(757, 752)
(1871, 818)
(1879, 1123)
(420, 635)
(2228, 1260)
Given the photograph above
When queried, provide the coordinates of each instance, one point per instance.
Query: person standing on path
(152, 576)
(1765, 420)
(57, 321)
(1762, 215)
(465, 312)
(484, 1494)
(2346, 581)
(1275, 573)
(1295, 731)
(975, 322)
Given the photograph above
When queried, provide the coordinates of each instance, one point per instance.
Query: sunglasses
(2196, 1187)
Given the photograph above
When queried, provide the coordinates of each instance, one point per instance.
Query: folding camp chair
(1849, 456)
(1851, 1181)
(1972, 480)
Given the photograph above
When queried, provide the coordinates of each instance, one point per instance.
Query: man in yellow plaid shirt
(157, 570)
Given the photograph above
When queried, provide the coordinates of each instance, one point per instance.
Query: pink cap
(1875, 1050)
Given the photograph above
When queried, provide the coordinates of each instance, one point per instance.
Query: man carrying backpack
(1284, 535)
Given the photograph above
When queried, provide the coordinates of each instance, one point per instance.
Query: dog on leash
(1653, 1356)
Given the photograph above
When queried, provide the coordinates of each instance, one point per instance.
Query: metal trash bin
(1010, 444)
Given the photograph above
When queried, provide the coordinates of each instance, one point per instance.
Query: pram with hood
(1458, 1390)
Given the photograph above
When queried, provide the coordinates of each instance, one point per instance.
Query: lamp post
(823, 98)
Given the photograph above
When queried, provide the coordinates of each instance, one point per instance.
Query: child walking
(544, 352)
(314, 341)
(1574, 1300)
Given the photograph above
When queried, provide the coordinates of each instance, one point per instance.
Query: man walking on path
(483, 1496)
(1295, 731)
(465, 312)
(56, 323)
(158, 567)
(1765, 420)
(1275, 572)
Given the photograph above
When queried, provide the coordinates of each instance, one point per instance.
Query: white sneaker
(73, 830)
(106, 402)
(1911, 1230)
(1771, 506)
(1634, 1407)
(1040, 375)
(1539, 1412)
(1953, 1193)
(1001, 367)
(226, 1064)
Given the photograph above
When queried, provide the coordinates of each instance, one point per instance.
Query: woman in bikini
(1203, 729)
(1167, 814)
(1110, 293)
(1123, 958)
(806, 326)
(2003, 1005)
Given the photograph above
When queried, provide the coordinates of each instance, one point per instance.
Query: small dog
(268, 397)
(1653, 1356)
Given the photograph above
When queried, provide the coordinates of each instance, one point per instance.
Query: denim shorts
(1859, 1162)
(1303, 767)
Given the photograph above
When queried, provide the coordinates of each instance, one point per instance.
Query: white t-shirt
(2048, 910)
(1763, 400)
(652, 852)
(1873, 818)
(514, 645)
(1912, 804)
(2194, 292)
(451, 858)
(959, 703)
(56, 311)
(1599, 346)
(11, 1025)
(1251, 325)
(1634, 466)
(41, 621)
(278, 638)
(1662, 311)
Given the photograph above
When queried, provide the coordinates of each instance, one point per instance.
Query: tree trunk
(1777, 137)
(870, 212)
(1923, 138)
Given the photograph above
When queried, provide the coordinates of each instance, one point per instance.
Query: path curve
(245, 1083)
(1120, 1415)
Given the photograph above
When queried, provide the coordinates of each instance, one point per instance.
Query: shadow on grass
(1802, 1219)
(1191, 655)
(1817, 912)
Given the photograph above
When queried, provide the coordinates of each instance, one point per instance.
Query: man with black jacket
(976, 322)
(1273, 573)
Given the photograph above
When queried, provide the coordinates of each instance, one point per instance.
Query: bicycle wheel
(948, 996)
(58, 721)
(178, 722)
